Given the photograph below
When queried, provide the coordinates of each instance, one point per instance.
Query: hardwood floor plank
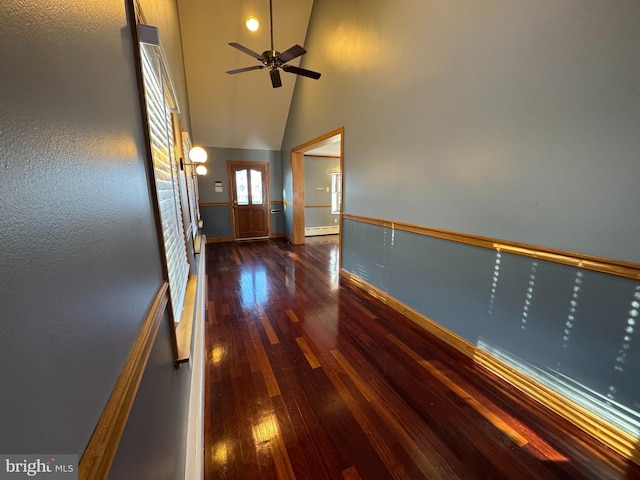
(308, 354)
(436, 407)
(349, 442)
(315, 445)
(263, 362)
(292, 315)
(271, 334)
(380, 444)
(290, 440)
(226, 448)
(263, 430)
(436, 372)
(431, 465)
(350, 473)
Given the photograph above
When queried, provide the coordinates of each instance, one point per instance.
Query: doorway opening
(329, 145)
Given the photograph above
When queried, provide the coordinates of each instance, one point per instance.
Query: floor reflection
(627, 339)
(573, 307)
(253, 286)
(494, 283)
(529, 295)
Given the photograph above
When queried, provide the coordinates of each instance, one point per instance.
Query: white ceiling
(242, 110)
(327, 148)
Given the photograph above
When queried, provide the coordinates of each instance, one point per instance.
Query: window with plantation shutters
(165, 172)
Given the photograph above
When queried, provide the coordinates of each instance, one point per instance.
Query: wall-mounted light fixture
(198, 156)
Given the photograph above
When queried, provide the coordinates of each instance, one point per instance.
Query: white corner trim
(194, 459)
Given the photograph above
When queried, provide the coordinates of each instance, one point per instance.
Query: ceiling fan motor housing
(271, 58)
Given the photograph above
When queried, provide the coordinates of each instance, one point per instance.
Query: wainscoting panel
(216, 220)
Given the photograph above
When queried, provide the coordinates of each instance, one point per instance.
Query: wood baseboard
(219, 239)
(608, 434)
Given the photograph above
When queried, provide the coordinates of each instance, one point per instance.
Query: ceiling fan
(274, 60)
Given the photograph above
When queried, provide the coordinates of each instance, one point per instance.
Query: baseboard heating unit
(326, 230)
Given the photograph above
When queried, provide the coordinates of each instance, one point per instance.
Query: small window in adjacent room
(336, 193)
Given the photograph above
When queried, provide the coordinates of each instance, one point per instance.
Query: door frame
(267, 199)
(297, 181)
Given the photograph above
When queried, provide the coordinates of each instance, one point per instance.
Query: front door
(250, 198)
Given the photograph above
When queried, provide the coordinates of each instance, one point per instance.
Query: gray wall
(217, 218)
(80, 262)
(513, 120)
(317, 175)
(517, 121)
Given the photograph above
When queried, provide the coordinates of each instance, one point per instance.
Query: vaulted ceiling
(242, 110)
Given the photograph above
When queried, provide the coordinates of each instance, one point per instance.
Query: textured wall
(512, 120)
(79, 264)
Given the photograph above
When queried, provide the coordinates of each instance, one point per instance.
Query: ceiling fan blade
(301, 71)
(245, 69)
(249, 52)
(291, 53)
(275, 78)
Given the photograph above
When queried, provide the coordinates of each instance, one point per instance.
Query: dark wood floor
(308, 378)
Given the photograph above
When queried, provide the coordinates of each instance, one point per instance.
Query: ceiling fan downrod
(271, 22)
(271, 55)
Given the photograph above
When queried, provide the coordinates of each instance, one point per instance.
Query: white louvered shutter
(165, 173)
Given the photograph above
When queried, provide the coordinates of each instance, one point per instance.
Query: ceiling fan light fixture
(252, 23)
